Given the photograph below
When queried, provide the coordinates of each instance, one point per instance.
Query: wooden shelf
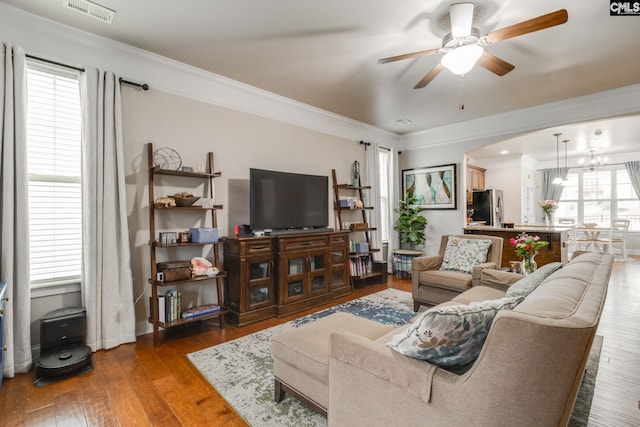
(193, 319)
(188, 208)
(177, 245)
(363, 254)
(358, 262)
(353, 209)
(160, 287)
(353, 187)
(369, 275)
(220, 275)
(202, 175)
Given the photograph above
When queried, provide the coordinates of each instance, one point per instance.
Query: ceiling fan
(463, 46)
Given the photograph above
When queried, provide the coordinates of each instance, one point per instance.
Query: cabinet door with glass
(293, 268)
(339, 272)
(317, 272)
(261, 278)
(305, 275)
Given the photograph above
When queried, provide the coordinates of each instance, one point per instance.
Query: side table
(402, 262)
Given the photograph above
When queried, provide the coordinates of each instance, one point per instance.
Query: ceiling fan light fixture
(462, 59)
(461, 15)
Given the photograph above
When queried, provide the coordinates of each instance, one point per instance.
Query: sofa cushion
(462, 254)
(452, 335)
(456, 280)
(477, 294)
(526, 285)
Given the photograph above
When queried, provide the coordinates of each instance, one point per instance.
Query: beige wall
(238, 140)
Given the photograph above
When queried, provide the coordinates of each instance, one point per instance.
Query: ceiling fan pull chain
(461, 104)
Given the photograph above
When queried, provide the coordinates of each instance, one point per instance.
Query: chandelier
(594, 164)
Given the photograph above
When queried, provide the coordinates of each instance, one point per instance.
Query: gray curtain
(107, 284)
(14, 234)
(551, 191)
(633, 169)
(372, 173)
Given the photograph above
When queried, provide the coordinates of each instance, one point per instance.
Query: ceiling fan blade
(408, 56)
(430, 76)
(495, 64)
(536, 24)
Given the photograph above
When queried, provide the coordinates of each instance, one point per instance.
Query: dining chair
(618, 236)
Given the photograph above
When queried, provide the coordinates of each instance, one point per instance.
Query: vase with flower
(548, 208)
(527, 247)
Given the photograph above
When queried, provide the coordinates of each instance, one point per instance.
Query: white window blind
(54, 120)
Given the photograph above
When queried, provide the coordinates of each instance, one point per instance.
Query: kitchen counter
(556, 236)
(529, 228)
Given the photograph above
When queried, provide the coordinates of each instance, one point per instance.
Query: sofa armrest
(477, 272)
(410, 375)
(499, 279)
(426, 263)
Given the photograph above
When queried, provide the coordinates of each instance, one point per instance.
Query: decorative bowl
(590, 224)
(184, 202)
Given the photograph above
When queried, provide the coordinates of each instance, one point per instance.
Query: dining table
(590, 236)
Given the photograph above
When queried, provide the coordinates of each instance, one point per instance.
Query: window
(54, 166)
(385, 159)
(600, 197)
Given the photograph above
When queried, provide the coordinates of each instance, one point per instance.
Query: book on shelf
(200, 310)
(169, 306)
(361, 266)
(162, 309)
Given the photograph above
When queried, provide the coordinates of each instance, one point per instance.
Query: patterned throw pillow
(452, 335)
(526, 285)
(463, 254)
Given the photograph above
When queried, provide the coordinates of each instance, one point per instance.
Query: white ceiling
(324, 53)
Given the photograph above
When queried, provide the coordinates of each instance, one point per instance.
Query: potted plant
(410, 224)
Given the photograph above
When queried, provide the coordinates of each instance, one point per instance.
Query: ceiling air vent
(91, 9)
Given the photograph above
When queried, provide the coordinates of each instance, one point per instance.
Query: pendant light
(558, 179)
(565, 181)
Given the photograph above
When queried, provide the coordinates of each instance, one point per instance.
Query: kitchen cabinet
(475, 181)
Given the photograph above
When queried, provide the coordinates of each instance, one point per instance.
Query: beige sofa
(431, 286)
(528, 372)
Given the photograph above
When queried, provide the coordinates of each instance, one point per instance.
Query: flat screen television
(287, 201)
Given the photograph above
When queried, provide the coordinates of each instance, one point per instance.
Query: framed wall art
(434, 187)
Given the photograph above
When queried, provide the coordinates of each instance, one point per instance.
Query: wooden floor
(137, 384)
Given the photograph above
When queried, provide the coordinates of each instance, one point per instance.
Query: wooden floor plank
(127, 409)
(43, 417)
(69, 410)
(97, 407)
(185, 409)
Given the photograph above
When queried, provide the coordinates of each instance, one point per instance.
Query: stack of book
(169, 306)
(361, 266)
(200, 310)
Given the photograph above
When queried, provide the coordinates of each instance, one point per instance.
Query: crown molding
(51, 40)
(487, 130)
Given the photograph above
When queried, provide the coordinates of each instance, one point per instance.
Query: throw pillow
(463, 254)
(452, 335)
(526, 285)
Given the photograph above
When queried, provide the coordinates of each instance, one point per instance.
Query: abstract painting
(433, 187)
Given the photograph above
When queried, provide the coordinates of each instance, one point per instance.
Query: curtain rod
(143, 86)
(60, 64)
(366, 144)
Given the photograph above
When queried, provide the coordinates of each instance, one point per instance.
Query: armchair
(431, 285)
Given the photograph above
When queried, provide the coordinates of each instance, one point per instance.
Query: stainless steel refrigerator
(488, 206)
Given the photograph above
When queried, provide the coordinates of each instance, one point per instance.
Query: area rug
(241, 370)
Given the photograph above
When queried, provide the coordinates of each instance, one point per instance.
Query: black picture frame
(435, 187)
